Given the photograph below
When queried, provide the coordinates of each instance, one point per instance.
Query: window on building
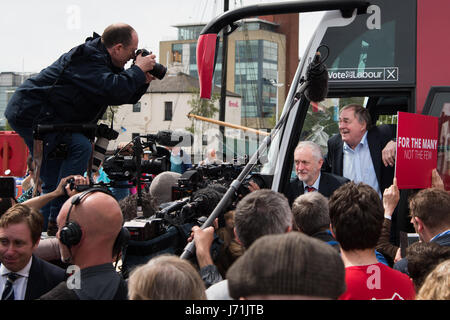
(189, 32)
(270, 50)
(137, 107)
(177, 52)
(168, 111)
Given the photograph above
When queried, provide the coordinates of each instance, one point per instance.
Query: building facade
(260, 65)
(165, 106)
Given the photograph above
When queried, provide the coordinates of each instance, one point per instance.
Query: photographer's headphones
(71, 233)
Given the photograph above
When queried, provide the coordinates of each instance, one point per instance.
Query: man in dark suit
(308, 160)
(22, 275)
(361, 152)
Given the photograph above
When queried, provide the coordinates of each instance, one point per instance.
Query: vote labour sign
(416, 157)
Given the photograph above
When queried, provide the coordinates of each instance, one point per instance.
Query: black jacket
(42, 278)
(377, 138)
(327, 185)
(77, 88)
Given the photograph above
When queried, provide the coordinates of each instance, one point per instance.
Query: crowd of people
(324, 248)
(328, 237)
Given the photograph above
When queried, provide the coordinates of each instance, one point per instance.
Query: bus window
(321, 120)
(377, 49)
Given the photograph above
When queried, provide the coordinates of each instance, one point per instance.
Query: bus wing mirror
(207, 45)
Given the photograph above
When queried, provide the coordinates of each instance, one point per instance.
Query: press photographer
(77, 89)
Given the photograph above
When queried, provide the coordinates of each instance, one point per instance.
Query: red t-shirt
(377, 282)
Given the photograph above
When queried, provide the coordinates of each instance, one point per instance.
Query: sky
(35, 33)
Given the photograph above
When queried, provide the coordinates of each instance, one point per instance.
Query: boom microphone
(317, 78)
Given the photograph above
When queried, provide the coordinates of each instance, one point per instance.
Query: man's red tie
(310, 189)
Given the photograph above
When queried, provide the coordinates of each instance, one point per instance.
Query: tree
(202, 107)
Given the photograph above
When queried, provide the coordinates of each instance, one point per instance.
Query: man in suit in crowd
(357, 151)
(308, 161)
(24, 276)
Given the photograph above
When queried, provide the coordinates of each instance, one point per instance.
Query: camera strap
(38, 147)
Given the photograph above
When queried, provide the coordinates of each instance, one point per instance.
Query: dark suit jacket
(377, 138)
(327, 184)
(43, 277)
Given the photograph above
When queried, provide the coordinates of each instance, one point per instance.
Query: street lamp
(278, 85)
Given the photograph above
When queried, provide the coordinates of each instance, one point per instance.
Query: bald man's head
(100, 219)
(117, 33)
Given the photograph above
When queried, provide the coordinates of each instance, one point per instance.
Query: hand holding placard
(436, 180)
(391, 196)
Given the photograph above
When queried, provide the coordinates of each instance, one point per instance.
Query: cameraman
(77, 89)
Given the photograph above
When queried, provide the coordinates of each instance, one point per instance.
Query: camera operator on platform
(77, 89)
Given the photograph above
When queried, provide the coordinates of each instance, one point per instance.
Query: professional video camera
(158, 71)
(122, 167)
(201, 176)
(130, 166)
(199, 189)
(176, 213)
(168, 230)
(125, 167)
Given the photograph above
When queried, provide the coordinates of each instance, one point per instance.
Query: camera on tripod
(125, 167)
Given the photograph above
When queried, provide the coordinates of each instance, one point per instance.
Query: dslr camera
(158, 71)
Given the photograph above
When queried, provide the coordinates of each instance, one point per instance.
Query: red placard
(416, 157)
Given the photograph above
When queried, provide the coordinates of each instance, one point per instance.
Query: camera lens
(158, 71)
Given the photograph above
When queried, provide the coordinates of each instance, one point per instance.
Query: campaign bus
(389, 56)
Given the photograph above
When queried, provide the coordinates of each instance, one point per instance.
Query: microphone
(203, 203)
(173, 206)
(171, 139)
(317, 79)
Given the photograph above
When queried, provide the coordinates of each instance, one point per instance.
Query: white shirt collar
(315, 185)
(24, 272)
(363, 142)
